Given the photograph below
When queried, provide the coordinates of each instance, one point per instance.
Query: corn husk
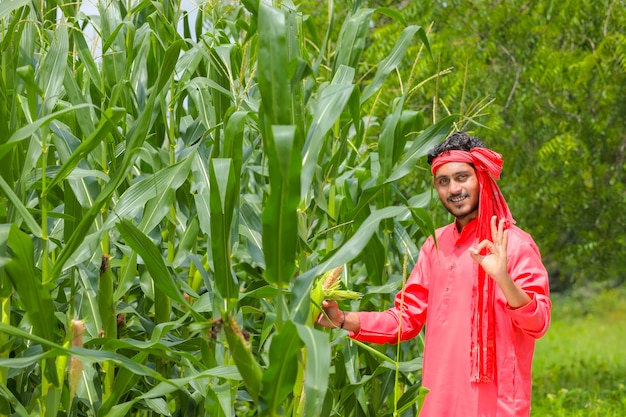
(328, 287)
(76, 365)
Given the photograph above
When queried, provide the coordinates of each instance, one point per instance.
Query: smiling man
(481, 291)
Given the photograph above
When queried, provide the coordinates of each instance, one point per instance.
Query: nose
(455, 187)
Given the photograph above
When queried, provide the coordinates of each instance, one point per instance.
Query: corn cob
(328, 287)
(76, 365)
(249, 369)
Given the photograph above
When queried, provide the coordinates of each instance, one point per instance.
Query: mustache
(457, 195)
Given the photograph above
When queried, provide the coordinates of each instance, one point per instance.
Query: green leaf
(421, 145)
(347, 252)
(393, 13)
(154, 261)
(352, 39)
(280, 216)
(24, 214)
(108, 122)
(390, 63)
(272, 65)
(387, 139)
(7, 7)
(248, 367)
(26, 280)
(224, 192)
(27, 131)
(317, 370)
(326, 110)
(280, 376)
(52, 70)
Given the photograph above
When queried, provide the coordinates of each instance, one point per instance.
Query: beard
(462, 206)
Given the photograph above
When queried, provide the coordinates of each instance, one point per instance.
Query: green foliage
(545, 83)
(169, 198)
(579, 365)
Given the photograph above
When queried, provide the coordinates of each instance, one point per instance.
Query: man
(481, 290)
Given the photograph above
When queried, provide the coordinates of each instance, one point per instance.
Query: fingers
(497, 229)
(331, 311)
(494, 228)
(499, 234)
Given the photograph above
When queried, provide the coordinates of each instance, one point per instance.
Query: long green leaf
(7, 7)
(387, 139)
(26, 280)
(426, 140)
(30, 129)
(25, 215)
(326, 111)
(86, 355)
(154, 261)
(352, 38)
(272, 64)
(52, 69)
(151, 187)
(348, 251)
(390, 63)
(280, 375)
(317, 369)
(108, 122)
(280, 217)
(222, 199)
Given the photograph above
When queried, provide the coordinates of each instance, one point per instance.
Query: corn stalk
(220, 162)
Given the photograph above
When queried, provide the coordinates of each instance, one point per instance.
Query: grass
(580, 364)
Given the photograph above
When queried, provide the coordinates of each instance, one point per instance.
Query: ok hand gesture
(494, 262)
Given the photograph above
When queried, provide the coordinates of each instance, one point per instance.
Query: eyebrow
(465, 171)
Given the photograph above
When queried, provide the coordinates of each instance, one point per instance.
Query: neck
(461, 222)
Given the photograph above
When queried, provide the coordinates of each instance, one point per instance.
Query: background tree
(547, 81)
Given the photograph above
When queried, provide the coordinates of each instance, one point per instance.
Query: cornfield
(171, 193)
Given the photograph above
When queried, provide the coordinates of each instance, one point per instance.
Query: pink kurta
(438, 294)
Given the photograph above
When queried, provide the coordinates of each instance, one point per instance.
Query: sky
(90, 8)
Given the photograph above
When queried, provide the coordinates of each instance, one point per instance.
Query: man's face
(458, 189)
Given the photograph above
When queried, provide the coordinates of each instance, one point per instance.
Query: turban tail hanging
(488, 165)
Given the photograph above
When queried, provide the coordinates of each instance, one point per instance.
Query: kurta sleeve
(408, 314)
(529, 273)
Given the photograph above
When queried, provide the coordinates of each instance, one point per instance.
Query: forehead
(453, 168)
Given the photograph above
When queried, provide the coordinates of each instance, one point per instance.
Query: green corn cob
(243, 357)
(328, 287)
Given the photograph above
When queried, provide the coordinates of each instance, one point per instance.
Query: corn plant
(171, 191)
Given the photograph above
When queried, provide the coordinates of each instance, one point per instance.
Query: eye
(443, 181)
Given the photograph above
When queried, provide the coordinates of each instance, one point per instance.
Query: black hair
(459, 141)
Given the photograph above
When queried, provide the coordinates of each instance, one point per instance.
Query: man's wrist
(343, 320)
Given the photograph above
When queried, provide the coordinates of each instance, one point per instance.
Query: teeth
(456, 200)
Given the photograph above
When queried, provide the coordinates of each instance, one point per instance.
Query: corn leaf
(326, 110)
(224, 192)
(316, 372)
(347, 252)
(280, 217)
(248, 367)
(391, 62)
(26, 280)
(352, 39)
(272, 64)
(426, 140)
(154, 261)
(280, 376)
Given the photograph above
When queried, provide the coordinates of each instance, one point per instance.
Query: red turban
(488, 165)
